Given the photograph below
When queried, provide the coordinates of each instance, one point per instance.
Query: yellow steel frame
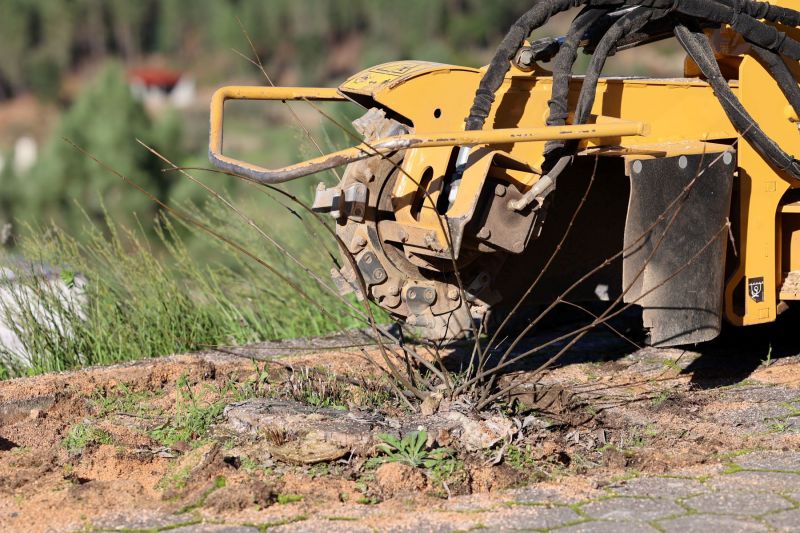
(633, 118)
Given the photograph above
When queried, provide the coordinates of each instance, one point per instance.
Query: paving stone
(770, 460)
(700, 523)
(769, 481)
(422, 525)
(326, 526)
(604, 526)
(472, 503)
(530, 517)
(143, 519)
(634, 509)
(214, 528)
(784, 520)
(738, 503)
(768, 404)
(543, 496)
(659, 487)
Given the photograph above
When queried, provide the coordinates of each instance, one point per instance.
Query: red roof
(151, 76)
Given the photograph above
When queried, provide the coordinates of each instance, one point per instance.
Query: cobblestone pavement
(756, 491)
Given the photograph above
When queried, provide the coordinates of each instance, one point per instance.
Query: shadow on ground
(725, 361)
(738, 352)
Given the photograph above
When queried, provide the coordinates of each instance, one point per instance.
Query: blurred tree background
(86, 71)
(68, 61)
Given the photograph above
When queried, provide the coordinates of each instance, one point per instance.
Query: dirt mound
(218, 437)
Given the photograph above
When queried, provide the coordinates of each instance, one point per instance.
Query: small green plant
(411, 450)
(254, 386)
(519, 457)
(447, 472)
(289, 498)
(768, 361)
(192, 418)
(120, 399)
(84, 434)
(660, 398)
(219, 482)
(248, 464)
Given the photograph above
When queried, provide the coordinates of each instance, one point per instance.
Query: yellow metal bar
(256, 93)
(386, 145)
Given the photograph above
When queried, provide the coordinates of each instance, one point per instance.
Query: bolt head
(379, 274)
(727, 158)
(525, 57)
(368, 259)
(412, 294)
(430, 294)
(500, 190)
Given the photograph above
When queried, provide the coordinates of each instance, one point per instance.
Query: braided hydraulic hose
(607, 25)
(562, 70)
(698, 48)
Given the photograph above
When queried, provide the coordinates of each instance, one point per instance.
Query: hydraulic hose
(562, 70)
(605, 26)
(696, 45)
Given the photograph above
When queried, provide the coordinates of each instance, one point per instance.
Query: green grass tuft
(82, 435)
(117, 297)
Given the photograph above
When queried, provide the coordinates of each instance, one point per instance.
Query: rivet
(430, 294)
(727, 158)
(637, 166)
(683, 162)
(379, 274)
(500, 190)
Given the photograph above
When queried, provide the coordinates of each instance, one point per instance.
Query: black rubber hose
(562, 70)
(766, 11)
(698, 48)
(779, 70)
(738, 13)
(654, 31)
(751, 29)
(631, 22)
(501, 62)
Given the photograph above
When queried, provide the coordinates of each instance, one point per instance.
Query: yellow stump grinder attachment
(474, 189)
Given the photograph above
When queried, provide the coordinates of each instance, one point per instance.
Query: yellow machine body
(634, 119)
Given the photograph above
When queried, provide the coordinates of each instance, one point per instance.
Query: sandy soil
(600, 418)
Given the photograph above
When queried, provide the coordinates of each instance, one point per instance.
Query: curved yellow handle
(387, 145)
(255, 172)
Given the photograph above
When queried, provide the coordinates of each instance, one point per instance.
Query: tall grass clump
(113, 296)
